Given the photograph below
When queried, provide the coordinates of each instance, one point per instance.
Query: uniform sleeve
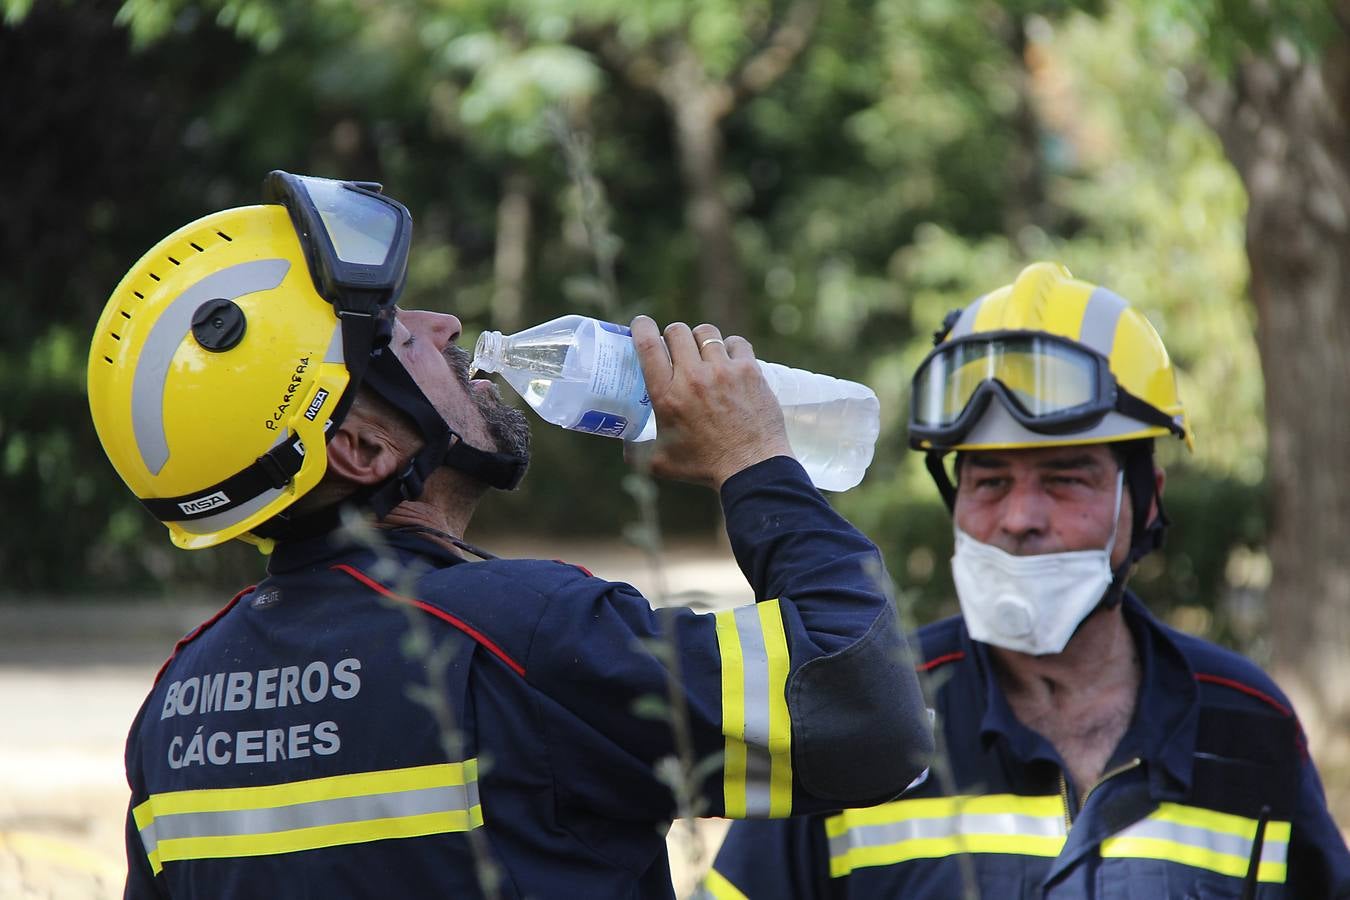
(769, 860)
(141, 882)
(803, 701)
(1319, 863)
(140, 879)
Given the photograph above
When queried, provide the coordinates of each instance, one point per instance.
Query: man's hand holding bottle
(716, 411)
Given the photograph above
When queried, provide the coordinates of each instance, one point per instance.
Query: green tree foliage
(902, 159)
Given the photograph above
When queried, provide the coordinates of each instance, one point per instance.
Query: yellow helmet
(214, 367)
(233, 348)
(1051, 361)
(1068, 362)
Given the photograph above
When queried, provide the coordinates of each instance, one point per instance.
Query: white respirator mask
(1032, 604)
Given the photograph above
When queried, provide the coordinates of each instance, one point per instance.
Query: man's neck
(1100, 652)
(1082, 699)
(437, 512)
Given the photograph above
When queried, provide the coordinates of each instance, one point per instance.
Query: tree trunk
(1025, 205)
(697, 106)
(511, 262)
(1285, 123)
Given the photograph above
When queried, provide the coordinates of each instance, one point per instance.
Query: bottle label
(616, 382)
(597, 422)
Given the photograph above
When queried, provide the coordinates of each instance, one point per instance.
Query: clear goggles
(1049, 384)
(356, 242)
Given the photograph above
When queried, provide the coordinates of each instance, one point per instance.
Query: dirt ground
(72, 677)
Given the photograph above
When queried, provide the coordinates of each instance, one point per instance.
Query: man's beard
(507, 426)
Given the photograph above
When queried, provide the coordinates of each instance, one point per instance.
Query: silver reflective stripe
(887, 833)
(310, 815)
(166, 336)
(758, 763)
(964, 324)
(1273, 850)
(334, 354)
(150, 839)
(223, 520)
(1100, 319)
(291, 817)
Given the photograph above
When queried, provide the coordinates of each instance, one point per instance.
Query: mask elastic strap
(1115, 516)
(1115, 592)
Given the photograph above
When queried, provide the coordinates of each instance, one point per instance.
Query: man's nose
(1025, 511)
(442, 329)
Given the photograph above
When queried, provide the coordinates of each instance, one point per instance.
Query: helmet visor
(356, 239)
(1049, 384)
(360, 227)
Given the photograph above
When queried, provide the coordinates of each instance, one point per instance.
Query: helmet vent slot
(108, 360)
(139, 295)
(116, 336)
(225, 236)
(196, 247)
(154, 276)
(125, 314)
(174, 261)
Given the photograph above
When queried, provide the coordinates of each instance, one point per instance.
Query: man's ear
(363, 452)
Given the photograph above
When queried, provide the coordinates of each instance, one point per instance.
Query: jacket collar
(360, 550)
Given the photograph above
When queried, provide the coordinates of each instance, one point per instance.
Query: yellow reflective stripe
(930, 828)
(1205, 839)
(936, 848)
(1039, 806)
(1187, 854)
(780, 725)
(715, 885)
(757, 771)
(306, 815)
(733, 714)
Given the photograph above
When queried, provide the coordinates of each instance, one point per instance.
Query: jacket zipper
(1064, 789)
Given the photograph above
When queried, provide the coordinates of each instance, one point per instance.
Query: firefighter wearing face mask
(1089, 751)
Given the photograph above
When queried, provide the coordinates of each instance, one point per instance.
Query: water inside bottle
(834, 440)
(574, 372)
(582, 374)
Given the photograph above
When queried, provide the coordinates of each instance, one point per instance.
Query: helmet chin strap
(1145, 535)
(442, 446)
(387, 377)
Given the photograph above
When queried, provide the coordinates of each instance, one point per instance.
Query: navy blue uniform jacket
(394, 721)
(1213, 758)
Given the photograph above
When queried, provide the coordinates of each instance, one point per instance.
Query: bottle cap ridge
(487, 353)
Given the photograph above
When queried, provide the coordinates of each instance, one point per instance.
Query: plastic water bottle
(584, 374)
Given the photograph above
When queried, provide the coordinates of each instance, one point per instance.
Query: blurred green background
(828, 179)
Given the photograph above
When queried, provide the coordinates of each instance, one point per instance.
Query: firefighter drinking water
(381, 716)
